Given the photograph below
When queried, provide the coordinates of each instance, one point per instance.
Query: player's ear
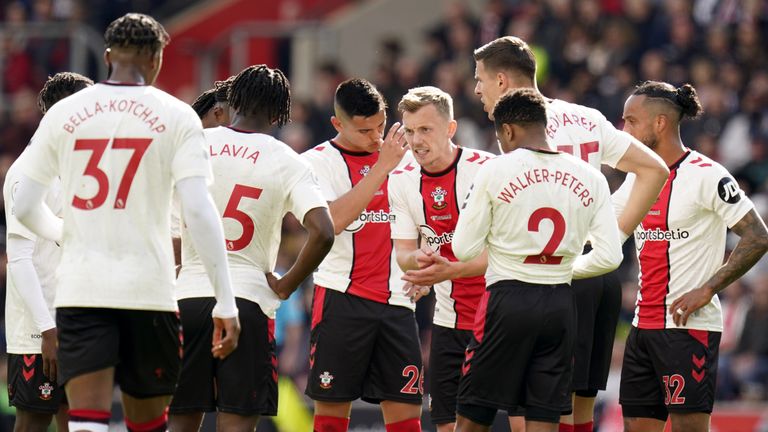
(452, 128)
(336, 124)
(661, 122)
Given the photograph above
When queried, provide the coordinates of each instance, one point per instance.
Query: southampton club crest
(439, 196)
(46, 391)
(325, 380)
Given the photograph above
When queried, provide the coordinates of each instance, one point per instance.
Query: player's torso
(362, 261)
(22, 334)
(434, 202)
(680, 244)
(542, 206)
(250, 195)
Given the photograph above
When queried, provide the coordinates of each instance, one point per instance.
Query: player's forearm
(29, 210)
(471, 268)
(319, 242)
(752, 245)
(651, 174)
(406, 259)
(207, 236)
(21, 271)
(347, 207)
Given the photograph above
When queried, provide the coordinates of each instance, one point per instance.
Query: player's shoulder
(558, 106)
(323, 151)
(12, 175)
(701, 165)
(470, 156)
(170, 101)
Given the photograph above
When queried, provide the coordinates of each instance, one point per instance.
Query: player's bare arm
(651, 175)
(433, 268)
(752, 246)
(347, 207)
(319, 242)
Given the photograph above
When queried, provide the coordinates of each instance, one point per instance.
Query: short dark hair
(204, 102)
(137, 31)
(508, 53)
(684, 98)
(261, 91)
(60, 86)
(358, 97)
(523, 107)
(222, 89)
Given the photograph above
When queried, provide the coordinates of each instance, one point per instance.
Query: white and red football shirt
(21, 332)
(257, 180)
(585, 133)
(534, 210)
(119, 150)
(362, 261)
(428, 204)
(681, 241)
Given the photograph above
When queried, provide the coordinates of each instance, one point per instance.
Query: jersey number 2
(558, 232)
(238, 193)
(97, 147)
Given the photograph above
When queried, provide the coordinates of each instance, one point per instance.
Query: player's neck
(444, 161)
(127, 74)
(671, 150)
(250, 124)
(535, 140)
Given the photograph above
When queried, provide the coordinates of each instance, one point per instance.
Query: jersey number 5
(238, 193)
(97, 147)
(558, 232)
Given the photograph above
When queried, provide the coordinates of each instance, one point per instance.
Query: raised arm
(347, 207)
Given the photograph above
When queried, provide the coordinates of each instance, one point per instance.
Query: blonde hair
(419, 97)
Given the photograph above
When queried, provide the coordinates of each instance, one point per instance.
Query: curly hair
(60, 86)
(138, 31)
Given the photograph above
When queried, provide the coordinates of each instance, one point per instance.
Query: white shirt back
(258, 179)
(22, 335)
(533, 211)
(119, 149)
(585, 133)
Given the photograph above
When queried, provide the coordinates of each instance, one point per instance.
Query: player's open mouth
(420, 152)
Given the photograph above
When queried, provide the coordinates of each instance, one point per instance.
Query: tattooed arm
(751, 247)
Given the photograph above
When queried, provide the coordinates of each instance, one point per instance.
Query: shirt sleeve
(302, 183)
(192, 158)
(12, 225)
(321, 167)
(42, 162)
(469, 238)
(404, 227)
(24, 279)
(721, 194)
(615, 142)
(606, 254)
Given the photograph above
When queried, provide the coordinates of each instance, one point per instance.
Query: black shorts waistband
(514, 283)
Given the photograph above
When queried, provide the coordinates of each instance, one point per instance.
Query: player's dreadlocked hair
(222, 89)
(358, 97)
(261, 91)
(60, 86)
(521, 107)
(684, 99)
(204, 102)
(139, 31)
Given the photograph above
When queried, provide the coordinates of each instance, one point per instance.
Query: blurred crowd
(592, 52)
